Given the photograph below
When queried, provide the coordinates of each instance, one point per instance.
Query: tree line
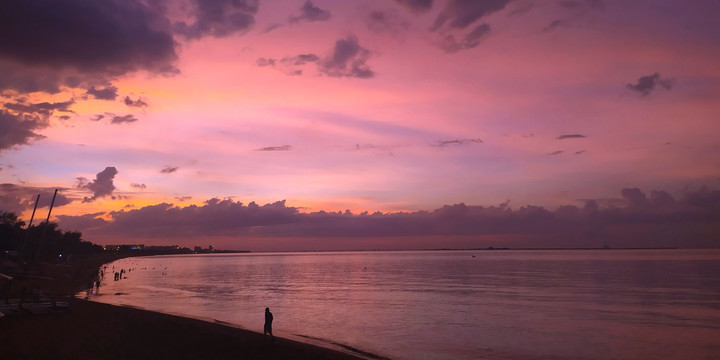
(43, 242)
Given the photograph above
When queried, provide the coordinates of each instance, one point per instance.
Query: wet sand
(91, 330)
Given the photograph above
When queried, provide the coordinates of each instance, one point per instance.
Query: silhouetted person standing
(268, 324)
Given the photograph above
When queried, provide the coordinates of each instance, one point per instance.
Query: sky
(377, 124)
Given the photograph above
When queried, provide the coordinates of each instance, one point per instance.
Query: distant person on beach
(268, 324)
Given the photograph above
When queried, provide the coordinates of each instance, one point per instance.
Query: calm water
(604, 304)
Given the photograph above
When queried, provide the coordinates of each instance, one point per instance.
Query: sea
(482, 304)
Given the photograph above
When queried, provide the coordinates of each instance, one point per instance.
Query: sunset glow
(378, 106)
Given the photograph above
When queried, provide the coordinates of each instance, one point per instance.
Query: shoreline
(86, 329)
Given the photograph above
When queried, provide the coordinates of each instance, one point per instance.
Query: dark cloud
(646, 84)
(218, 18)
(386, 22)
(101, 186)
(18, 198)
(659, 220)
(290, 65)
(19, 123)
(301, 59)
(275, 148)
(48, 44)
(553, 25)
(444, 143)
(468, 41)
(169, 169)
(117, 119)
(309, 12)
(460, 14)
(106, 93)
(557, 152)
(183, 198)
(262, 62)
(578, 10)
(138, 186)
(85, 222)
(576, 4)
(140, 102)
(348, 59)
(417, 6)
(580, 152)
(43, 109)
(570, 136)
(19, 129)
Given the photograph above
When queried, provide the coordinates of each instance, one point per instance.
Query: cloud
(417, 6)
(460, 14)
(19, 129)
(557, 152)
(275, 148)
(18, 198)
(309, 12)
(578, 8)
(218, 18)
(570, 136)
(348, 59)
(580, 152)
(386, 22)
(575, 4)
(262, 62)
(97, 117)
(646, 84)
(47, 44)
(101, 186)
(659, 220)
(21, 121)
(138, 186)
(169, 169)
(106, 93)
(43, 109)
(444, 143)
(135, 103)
(457, 16)
(290, 65)
(301, 59)
(553, 25)
(85, 222)
(468, 41)
(117, 119)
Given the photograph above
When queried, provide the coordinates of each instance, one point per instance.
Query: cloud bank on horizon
(391, 105)
(634, 220)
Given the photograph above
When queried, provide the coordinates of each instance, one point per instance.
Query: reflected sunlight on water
(551, 304)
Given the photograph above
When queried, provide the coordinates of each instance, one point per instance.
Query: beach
(91, 330)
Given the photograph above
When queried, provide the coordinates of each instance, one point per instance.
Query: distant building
(211, 248)
(123, 248)
(198, 249)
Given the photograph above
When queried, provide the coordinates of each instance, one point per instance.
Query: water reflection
(435, 305)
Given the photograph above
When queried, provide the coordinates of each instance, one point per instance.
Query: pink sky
(374, 105)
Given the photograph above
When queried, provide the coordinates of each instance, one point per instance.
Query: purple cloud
(19, 198)
(646, 84)
(101, 186)
(659, 220)
(309, 12)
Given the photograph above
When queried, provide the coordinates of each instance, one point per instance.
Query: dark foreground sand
(90, 330)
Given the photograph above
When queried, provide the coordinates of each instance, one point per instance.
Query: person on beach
(268, 324)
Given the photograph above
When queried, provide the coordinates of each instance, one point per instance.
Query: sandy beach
(91, 330)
